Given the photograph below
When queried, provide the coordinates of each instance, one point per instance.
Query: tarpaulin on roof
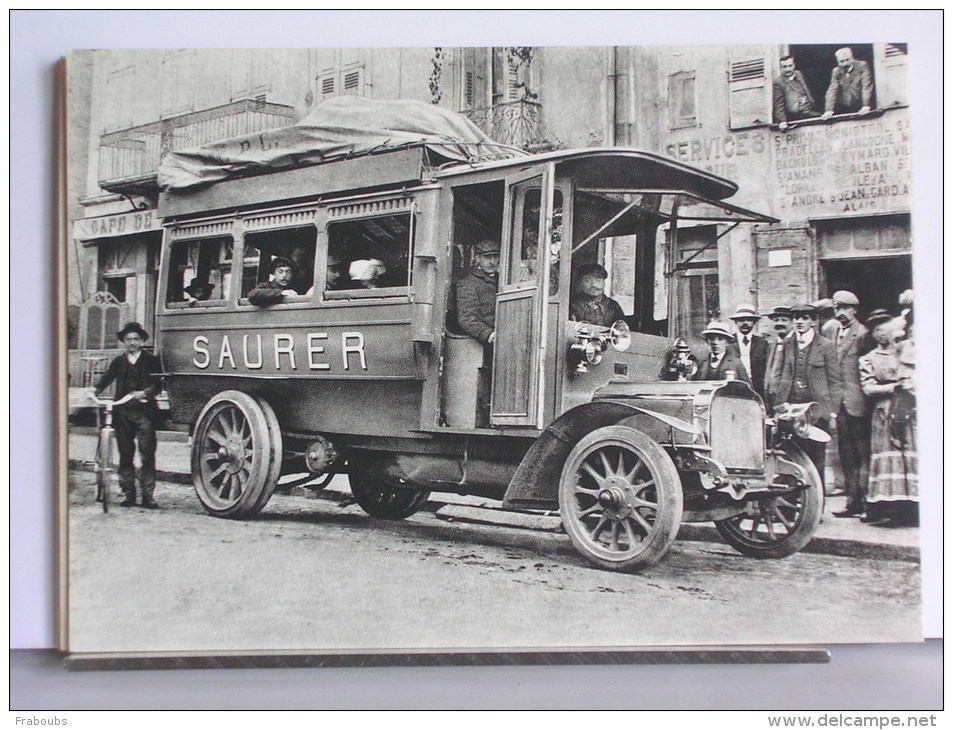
(339, 127)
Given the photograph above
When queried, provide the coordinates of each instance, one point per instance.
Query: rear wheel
(378, 498)
(778, 525)
(620, 499)
(236, 455)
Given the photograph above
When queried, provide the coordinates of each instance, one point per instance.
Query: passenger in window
(852, 88)
(723, 362)
(475, 293)
(198, 290)
(334, 275)
(369, 273)
(792, 99)
(303, 258)
(589, 302)
(278, 287)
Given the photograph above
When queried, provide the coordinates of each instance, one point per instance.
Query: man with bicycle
(136, 373)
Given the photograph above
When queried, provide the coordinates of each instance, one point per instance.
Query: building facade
(841, 188)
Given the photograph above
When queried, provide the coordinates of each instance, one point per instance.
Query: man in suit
(783, 329)
(792, 99)
(135, 372)
(810, 373)
(853, 413)
(751, 348)
(722, 363)
(851, 90)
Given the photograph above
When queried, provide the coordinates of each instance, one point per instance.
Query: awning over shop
(337, 128)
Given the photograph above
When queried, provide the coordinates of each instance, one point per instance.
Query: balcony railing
(517, 123)
(129, 158)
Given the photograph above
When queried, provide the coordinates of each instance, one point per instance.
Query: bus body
(377, 380)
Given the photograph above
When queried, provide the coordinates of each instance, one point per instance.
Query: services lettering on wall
(719, 154)
(122, 224)
(279, 352)
(844, 168)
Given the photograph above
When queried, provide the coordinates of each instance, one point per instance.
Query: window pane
(199, 271)
(369, 253)
(295, 245)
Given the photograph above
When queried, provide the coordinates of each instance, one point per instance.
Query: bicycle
(104, 464)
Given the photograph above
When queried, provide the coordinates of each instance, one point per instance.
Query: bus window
(199, 271)
(526, 267)
(369, 256)
(296, 245)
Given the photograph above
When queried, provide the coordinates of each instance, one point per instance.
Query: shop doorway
(877, 282)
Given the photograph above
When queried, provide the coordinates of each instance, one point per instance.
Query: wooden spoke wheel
(236, 455)
(378, 498)
(620, 499)
(778, 525)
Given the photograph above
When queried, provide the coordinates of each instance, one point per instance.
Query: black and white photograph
(489, 348)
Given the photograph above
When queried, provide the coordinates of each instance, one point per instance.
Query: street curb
(689, 532)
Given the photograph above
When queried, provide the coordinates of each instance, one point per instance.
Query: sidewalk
(845, 537)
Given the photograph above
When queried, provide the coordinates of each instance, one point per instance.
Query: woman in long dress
(892, 489)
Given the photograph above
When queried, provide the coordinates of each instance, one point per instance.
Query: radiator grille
(737, 433)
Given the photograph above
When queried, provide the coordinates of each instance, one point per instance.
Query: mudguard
(536, 482)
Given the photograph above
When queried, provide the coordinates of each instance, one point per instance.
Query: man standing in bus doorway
(810, 373)
(476, 293)
(475, 300)
(135, 371)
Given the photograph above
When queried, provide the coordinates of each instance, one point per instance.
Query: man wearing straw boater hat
(137, 372)
(753, 349)
(810, 373)
(722, 363)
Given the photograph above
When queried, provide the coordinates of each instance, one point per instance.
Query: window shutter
(353, 82)
(326, 84)
(682, 108)
(890, 74)
(119, 95)
(749, 93)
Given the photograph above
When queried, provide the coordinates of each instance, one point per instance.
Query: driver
(589, 302)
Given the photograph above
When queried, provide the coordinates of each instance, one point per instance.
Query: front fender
(536, 482)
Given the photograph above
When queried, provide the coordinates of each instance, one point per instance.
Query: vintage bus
(379, 383)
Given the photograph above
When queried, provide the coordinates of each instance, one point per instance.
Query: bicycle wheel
(104, 467)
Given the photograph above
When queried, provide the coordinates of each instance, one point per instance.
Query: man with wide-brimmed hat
(810, 373)
(752, 348)
(722, 363)
(278, 287)
(135, 372)
(783, 329)
(853, 411)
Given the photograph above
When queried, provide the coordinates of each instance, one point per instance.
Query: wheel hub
(233, 453)
(613, 498)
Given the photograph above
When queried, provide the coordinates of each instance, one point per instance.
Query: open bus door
(519, 351)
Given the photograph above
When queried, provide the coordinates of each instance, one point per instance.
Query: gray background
(39, 38)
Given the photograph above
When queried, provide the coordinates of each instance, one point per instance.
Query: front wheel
(620, 499)
(378, 498)
(780, 525)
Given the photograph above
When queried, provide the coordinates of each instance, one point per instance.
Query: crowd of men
(859, 380)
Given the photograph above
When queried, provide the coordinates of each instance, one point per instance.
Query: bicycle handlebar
(111, 403)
